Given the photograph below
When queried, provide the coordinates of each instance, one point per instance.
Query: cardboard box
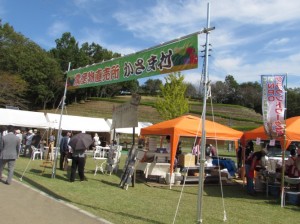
(186, 160)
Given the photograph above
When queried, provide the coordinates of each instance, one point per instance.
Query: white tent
(22, 118)
(130, 130)
(78, 123)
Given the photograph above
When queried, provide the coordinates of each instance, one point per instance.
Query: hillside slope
(237, 117)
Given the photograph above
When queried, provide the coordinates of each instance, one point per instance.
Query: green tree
(217, 92)
(152, 86)
(231, 90)
(172, 102)
(19, 55)
(12, 90)
(191, 91)
(66, 51)
(293, 102)
(250, 96)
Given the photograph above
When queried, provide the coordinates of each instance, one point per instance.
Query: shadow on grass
(126, 215)
(41, 187)
(215, 190)
(109, 183)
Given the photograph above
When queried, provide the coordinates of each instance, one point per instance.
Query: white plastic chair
(100, 159)
(36, 152)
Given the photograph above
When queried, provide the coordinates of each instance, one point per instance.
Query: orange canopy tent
(292, 132)
(190, 126)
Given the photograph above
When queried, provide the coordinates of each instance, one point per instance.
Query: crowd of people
(256, 160)
(15, 142)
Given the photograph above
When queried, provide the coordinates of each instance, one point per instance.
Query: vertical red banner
(274, 104)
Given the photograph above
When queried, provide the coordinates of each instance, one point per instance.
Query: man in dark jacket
(64, 149)
(9, 152)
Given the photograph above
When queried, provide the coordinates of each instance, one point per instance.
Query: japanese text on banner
(273, 104)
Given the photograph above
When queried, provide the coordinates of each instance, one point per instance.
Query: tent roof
(292, 131)
(22, 118)
(189, 125)
(130, 130)
(78, 123)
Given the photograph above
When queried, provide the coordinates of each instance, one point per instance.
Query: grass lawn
(102, 196)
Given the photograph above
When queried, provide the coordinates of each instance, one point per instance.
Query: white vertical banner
(273, 104)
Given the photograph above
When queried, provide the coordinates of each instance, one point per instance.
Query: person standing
(213, 150)
(78, 162)
(10, 145)
(20, 136)
(96, 140)
(249, 149)
(64, 150)
(290, 165)
(29, 137)
(36, 139)
(51, 142)
(196, 150)
(250, 165)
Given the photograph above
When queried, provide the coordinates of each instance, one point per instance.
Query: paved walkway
(23, 204)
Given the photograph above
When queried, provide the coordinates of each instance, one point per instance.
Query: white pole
(203, 136)
(59, 127)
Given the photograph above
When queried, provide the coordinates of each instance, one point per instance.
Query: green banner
(172, 57)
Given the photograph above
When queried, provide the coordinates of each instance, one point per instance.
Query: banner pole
(283, 152)
(203, 135)
(59, 127)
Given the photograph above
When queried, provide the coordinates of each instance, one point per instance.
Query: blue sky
(252, 37)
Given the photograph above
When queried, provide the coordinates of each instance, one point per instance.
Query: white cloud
(245, 72)
(164, 21)
(58, 28)
(277, 45)
(256, 11)
(227, 63)
(98, 37)
(280, 41)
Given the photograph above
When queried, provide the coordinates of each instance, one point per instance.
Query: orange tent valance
(190, 126)
(292, 132)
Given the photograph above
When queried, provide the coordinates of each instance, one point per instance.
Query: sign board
(126, 115)
(171, 57)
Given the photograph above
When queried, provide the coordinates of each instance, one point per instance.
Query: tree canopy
(172, 103)
(32, 78)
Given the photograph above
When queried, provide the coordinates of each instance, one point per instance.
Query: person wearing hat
(250, 165)
(29, 137)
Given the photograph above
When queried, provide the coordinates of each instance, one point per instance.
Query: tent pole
(59, 128)
(203, 136)
(283, 153)
(283, 170)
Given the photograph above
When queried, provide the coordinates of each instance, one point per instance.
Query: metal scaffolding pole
(59, 127)
(203, 135)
